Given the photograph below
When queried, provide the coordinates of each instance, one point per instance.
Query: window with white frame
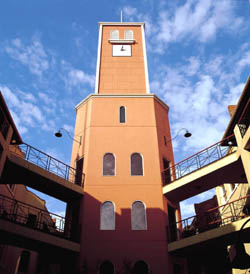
(138, 216)
(108, 165)
(107, 216)
(114, 35)
(136, 162)
(128, 35)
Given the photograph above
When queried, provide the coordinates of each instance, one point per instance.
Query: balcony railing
(49, 163)
(213, 218)
(33, 217)
(197, 161)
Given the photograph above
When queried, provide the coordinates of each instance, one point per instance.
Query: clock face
(121, 50)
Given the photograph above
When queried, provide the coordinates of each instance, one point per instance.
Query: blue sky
(198, 59)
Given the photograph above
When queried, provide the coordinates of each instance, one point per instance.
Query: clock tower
(125, 146)
(122, 61)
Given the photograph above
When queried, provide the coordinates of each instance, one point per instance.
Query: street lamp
(58, 134)
(186, 135)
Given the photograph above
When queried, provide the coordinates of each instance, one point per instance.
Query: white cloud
(25, 110)
(78, 77)
(193, 20)
(33, 55)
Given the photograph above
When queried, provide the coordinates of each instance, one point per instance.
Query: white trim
(101, 215)
(121, 41)
(145, 59)
(145, 210)
(142, 163)
(98, 61)
(103, 162)
(106, 95)
(121, 23)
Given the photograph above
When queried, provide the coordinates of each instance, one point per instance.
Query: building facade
(125, 145)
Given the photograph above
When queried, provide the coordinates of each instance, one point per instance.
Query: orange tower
(125, 144)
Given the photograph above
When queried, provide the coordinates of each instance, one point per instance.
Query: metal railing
(33, 217)
(212, 218)
(49, 163)
(197, 161)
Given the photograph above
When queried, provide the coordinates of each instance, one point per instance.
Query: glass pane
(109, 164)
(136, 164)
(138, 216)
(122, 114)
(114, 34)
(107, 216)
(129, 34)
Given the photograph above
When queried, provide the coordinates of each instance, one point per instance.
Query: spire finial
(121, 16)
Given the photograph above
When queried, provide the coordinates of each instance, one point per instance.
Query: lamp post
(58, 134)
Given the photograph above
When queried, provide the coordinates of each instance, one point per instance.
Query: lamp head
(187, 134)
(58, 134)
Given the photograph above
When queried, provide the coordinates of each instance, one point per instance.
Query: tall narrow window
(114, 35)
(136, 164)
(106, 268)
(138, 216)
(79, 169)
(108, 164)
(140, 267)
(122, 114)
(166, 175)
(24, 261)
(107, 216)
(128, 35)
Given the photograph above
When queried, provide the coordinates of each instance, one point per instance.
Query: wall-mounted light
(58, 134)
(186, 135)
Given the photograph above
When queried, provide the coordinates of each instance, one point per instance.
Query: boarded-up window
(108, 164)
(138, 216)
(114, 35)
(107, 216)
(106, 268)
(140, 267)
(122, 115)
(136, 164)
(128, 34)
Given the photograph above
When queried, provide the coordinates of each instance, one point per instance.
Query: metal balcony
(197, 161)
(49, 163)
(32, 217)
(213, 218)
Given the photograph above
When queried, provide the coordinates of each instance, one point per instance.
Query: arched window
(128, 35)
(122, 114)
(136, 164)
(107, 216)
(106, 268)
(138, 216)
(24, 261)
(114, 35)
(108, 164)
(140, 267)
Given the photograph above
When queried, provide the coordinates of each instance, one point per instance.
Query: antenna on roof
(121, 16)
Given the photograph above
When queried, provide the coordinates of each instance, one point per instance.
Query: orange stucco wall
(122, 74)
(98, 122)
